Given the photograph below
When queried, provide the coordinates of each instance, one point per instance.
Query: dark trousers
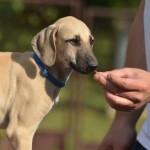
(138, 146)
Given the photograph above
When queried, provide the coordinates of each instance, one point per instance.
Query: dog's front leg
(21, 137)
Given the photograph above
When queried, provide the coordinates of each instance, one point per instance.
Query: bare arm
(135, 58)
(123, 127)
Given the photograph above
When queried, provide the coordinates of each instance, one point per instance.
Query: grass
(91, 125)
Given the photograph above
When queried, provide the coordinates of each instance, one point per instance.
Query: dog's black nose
(92, 67)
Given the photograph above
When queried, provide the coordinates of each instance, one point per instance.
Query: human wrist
(124, 119)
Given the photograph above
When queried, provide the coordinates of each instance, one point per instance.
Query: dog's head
(68, 42)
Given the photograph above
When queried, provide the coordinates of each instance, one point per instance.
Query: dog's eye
(75, 42)
(91, 41)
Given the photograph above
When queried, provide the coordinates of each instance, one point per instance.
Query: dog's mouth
(84, 67)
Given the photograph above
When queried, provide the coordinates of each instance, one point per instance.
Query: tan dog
(30, 84)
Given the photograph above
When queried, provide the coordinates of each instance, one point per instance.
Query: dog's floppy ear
(44, 45)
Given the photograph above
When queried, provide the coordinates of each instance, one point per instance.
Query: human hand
(125, 89)
(119, 137)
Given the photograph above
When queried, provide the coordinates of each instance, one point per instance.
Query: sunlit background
(82, 117)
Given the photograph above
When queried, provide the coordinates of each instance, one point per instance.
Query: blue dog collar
(45, 73)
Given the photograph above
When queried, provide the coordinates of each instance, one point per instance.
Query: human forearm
(122, 129)
(128, 118)
(127, 90)
(135, 56)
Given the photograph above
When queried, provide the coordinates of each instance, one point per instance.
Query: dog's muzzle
(84, 66)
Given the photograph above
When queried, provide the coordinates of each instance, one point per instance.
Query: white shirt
(144, 135)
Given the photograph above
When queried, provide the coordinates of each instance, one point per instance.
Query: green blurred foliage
(115, 3)
(104, 46)
(19, 22)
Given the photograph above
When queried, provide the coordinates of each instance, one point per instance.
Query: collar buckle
(44, 72)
